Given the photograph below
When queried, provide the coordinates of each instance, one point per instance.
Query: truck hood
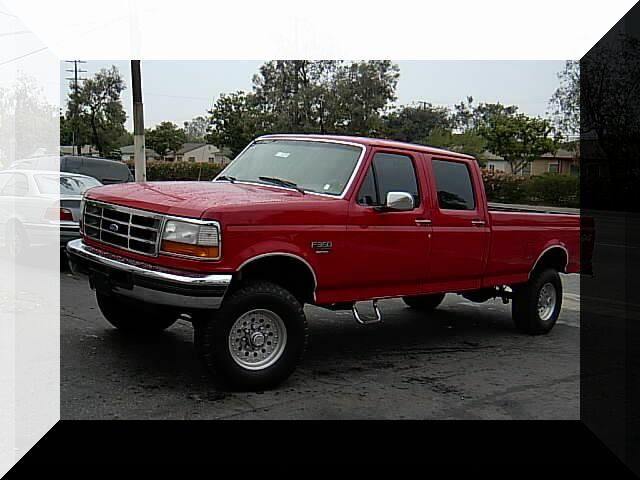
(193, 199)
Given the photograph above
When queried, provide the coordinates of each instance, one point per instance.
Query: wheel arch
(286, 269)
(555, 256)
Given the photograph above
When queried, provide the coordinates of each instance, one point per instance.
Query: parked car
(322, 220)
(36, 204)
(105, 170)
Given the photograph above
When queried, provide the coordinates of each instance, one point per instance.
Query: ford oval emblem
(114, 227)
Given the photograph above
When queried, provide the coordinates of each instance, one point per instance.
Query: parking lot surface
(463, 361)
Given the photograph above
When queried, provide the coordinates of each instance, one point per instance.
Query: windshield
(319, 167)
(64, 185)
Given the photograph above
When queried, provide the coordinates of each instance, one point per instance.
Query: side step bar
(367, 321)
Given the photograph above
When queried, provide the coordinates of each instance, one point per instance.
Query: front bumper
(68, 233)
(111, 273)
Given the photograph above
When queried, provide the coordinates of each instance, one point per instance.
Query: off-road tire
(525, 310)
(134, 317)
(424, 303)
(213, 336)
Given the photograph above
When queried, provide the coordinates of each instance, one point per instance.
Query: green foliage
(468, 117)
(27, 120)
(196, 129)
(565, 102)
(423, 124)
(236, 119)
(96, 110)
(518, 138)
(549, 189)
(554, 189)
(303, 96)
(468, 142)
(165, 137)
(363, 90)
(178, 171)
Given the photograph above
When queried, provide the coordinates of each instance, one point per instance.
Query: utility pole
(74, 114)
(138, 123)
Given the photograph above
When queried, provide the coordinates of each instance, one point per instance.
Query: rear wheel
(424, 303)
(256, 339)
(134, 317)
(537, 303)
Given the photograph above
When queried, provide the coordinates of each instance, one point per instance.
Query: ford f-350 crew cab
(322, 220)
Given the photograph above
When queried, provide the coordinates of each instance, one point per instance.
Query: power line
(20, 32)
(22, 56)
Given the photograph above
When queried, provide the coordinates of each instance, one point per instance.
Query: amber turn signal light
(199, 251)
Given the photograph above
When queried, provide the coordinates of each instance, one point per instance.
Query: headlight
(198, 240)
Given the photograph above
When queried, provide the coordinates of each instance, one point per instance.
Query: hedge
(549, 189)
(158, 170)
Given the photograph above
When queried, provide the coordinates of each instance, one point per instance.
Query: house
(199, 153)
(85, 150)
(128, 153)
(563, 161)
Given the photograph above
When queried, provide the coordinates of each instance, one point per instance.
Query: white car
(35, 205)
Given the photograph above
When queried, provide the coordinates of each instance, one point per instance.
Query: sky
(177, 91)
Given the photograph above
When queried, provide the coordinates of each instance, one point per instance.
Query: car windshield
(320, 167)
(65, 185)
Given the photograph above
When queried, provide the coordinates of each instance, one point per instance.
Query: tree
(363, 91)
(470, 142)
(325, 95)
(518, 138)
(165, 137)
(100, 113)
(66, 130)
(196, 129)
(469, 117)
(415, 124)
(28, 123)
(235, 120)
(565, 101)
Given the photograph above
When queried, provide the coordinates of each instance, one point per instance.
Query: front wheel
(256, 339)
(536, 304)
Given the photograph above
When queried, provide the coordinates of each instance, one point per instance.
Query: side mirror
(399, 201)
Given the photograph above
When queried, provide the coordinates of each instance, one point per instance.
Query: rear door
(389, 248)
(460, 225)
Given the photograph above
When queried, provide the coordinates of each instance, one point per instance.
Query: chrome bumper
(146, 282)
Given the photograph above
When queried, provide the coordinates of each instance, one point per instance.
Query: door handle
(478, 223)
(423, 222)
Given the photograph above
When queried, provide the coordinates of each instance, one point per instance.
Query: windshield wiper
(227, 178)
(283, 183)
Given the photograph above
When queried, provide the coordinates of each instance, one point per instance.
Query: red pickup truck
(322, 220)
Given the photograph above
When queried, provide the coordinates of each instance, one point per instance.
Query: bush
(555, 190)
(167, 171)
(550, 189)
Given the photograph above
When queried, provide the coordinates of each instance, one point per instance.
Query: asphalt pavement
(463, 361)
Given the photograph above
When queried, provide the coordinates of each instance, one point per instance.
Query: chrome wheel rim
(257, 339)
(547, 301)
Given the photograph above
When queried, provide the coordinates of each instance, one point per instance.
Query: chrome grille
(126, 228)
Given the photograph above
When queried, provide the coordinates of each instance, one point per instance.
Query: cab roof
(370, 142)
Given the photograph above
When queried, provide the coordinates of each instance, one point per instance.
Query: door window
(389, 172)
(453, 184)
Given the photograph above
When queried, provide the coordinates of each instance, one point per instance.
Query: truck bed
(506, 207)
